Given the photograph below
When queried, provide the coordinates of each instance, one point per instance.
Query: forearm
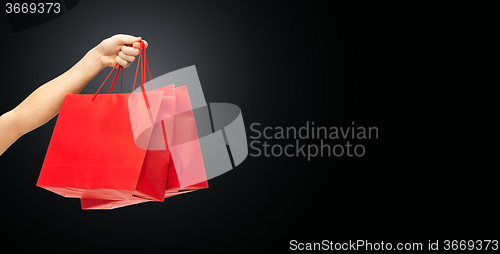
(46, 101)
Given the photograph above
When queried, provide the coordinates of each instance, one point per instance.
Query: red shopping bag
(186, 170)
(93, 154)
(152, 181)
(175, 130)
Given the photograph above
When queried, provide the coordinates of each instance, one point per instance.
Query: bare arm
(46, 101)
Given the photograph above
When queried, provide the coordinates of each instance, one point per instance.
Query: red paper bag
(176, 129)
(187, 170)
(92, 153)
(153, 176)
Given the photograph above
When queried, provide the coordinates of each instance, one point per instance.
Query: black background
(283, 64)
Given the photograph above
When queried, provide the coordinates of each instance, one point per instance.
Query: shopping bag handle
(143, 62)
(114, 81)
(120, 68)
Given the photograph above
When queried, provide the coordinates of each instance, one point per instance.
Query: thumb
(125, 39)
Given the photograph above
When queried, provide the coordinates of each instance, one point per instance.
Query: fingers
(137, 45)
(121, 39)
(130, 51)
(122, 62)
(126, 57)
(127, 54)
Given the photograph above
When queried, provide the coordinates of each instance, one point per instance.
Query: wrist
(93, 60)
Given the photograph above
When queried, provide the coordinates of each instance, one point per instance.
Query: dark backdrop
(283, 64)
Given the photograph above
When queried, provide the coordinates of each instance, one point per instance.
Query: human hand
(119, 49)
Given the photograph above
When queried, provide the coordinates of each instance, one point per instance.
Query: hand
(121, 49)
